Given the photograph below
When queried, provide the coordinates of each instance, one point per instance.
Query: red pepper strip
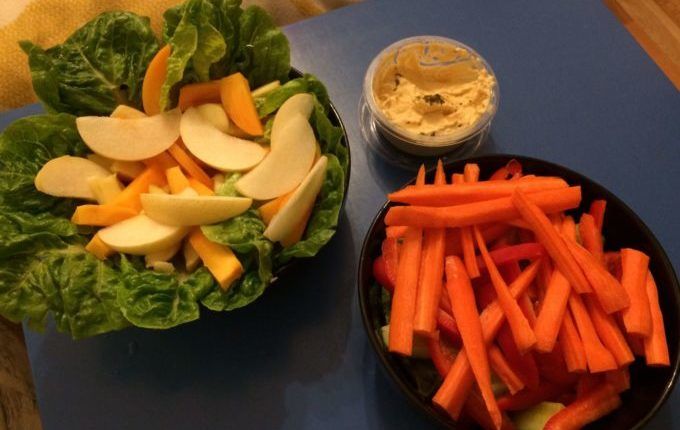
(551, 366)
(619, 378)
(597, 208)
(390, 252)
(512, 170)
(447, 327)
(509, 254)
(584, 410)
(475, 408)
(442, 356)
(546, 391)
(380, 274)
(587, 383)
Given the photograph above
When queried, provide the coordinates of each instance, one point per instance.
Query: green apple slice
(130, 139)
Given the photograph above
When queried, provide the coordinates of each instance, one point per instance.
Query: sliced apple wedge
(295, 209)
(301, 104)
(106, 188)
(162, 255)
(285, 166)
(127, 112)
(214, 113)
(186, 209)
(68, 177)
(130, 139)
(191, 258)
(140, 235)
(215, 148)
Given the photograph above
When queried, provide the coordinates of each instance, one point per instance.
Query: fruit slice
(214, 113)
(140, 235)
(162, 255)
(153, 81)
(98, 248)
(266, 88)
(127, 169)
(127, 112)
(216, 149)
(187, 209)
(238, 103)
(130, 139)
(191, 258)
(106, 188)
(199, 93)
(301, 104)
(67, 177)
(285, 166)
(293, 212)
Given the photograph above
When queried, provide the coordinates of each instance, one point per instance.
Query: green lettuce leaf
(271, 101)
(100, 66)
(243, 234)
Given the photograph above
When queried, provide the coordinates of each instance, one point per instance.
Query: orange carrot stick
(591, 236)
(465, 312)
(597, 209)
(609, 332)
(396, 231)
(491, 233)
(521, 330)
(440, 174)
(481, 212)
(637, 318)
(502, 368)
(470, 175)
(572, 346)
(598, 357)
(552, 241)
(552, 311)
(656, 347)
(450, 195)
(405, 291)
(189, 165)
(420, 176)
(455, 389)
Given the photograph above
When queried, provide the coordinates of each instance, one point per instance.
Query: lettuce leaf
(100, 66)
(271, 101)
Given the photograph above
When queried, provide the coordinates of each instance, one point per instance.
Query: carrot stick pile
(501, 282)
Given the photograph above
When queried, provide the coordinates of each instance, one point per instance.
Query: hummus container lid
(426, 145)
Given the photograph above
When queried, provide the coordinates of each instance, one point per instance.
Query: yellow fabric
(49, 22)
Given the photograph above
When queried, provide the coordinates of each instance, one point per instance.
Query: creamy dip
(432, 88)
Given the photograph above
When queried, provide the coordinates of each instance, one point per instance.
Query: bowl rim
(334, 116)
(376, 343)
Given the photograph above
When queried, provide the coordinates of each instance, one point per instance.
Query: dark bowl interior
(650, 387)
(334, 116)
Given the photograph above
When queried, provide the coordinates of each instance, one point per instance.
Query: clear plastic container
(416, 143)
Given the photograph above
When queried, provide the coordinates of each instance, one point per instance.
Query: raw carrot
(200, 188)
(546, 391)
(189, 165)
(420, 176)
(177, 181)
(656, 347)
(491, 233)
(591, 237)
(513, 253)
(404, 298)
(597, 355)
(588, 382)
(504, 370)
(447, 327)
(440, 357)
(431, 274)
(440, 174)
(102, 215)
(456, 386)
(553, 367)
(572, 346)
(462, 193)
(512, 170)
(198, 94)
(153, 81)
(521, 330)
(619, 379)
(239, 105)
(552, 241)
(597, 210)
(637, 318)
(470, 175)
(481, 212)
(609, 332)
(457, 178)
(162, 161)
(465, 312)
(395, 231)
(584, 410)
(475, 409)
(552, 311)
(609, 292)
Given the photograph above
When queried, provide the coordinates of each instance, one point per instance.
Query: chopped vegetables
(540, 310)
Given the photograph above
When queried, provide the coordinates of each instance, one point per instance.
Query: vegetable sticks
(637, 318)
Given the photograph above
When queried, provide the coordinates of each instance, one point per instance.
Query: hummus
(433, 88)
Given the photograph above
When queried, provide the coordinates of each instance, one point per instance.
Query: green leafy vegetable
(100, 66)
(243, 234)
(228, 188)
(271, 101)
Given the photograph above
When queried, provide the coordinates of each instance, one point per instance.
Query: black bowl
(334, 116)
(650, 387)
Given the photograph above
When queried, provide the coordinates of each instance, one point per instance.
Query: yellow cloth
(49, 22)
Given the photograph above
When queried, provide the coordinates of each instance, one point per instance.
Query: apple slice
(285, 166)
(214, 113)
(163, 255)
(130, 139)
(295, 209)
(105, 189)
(191, 258)
(68, 176)
(186, 209)
(127, 112)
(140, 235)
(302, 104)
(215, 148)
